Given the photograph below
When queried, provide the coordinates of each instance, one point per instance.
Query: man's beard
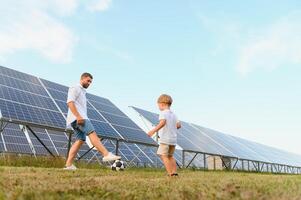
(85, 86)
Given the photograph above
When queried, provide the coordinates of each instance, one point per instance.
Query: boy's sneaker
(70, 168)
(110, 157)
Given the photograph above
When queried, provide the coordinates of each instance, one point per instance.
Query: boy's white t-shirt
(168, 134)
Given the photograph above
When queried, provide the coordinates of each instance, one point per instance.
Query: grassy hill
(44, 179)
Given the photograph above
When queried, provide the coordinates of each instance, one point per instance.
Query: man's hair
(166, 99)
(86, 74)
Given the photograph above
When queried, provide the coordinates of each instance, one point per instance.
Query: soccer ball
(118, 165)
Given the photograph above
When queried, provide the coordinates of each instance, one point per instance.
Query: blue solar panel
(59, 94)
(55, 86)
(104, 129)
(205, 143)
(22, 85)
(238, 149)
(134, 135)
(11, 94)
(100, 100)
(107, 109)
(151, 117)
(23, 99)
(121, 121)
(196, 138)
(15, 140)
(18, 75)
(32, 115)
(272, 154)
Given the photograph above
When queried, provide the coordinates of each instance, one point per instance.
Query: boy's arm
(161, 124)
(179, 125)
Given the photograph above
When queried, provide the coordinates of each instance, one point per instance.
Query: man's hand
(80, 121)
(151, 133)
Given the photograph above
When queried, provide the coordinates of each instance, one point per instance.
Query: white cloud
(99, 5)
(28, 25)
(277, 45)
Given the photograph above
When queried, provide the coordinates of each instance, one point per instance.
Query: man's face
(86, 82)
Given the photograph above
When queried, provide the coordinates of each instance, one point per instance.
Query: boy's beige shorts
(166, 150)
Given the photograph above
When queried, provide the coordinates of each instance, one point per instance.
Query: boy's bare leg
(73, 151)
(97, 144)
(173, 164)
(167, 164)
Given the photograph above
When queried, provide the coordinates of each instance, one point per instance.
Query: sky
(233, 66)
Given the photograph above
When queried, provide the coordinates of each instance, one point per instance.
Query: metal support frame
(117, 147)
(40, 140)
(205, 161)
(183, 158)
(2, 127)
(192, 160)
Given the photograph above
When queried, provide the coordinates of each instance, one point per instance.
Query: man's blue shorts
(81, 131)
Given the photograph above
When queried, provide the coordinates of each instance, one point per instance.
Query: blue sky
(230, 65)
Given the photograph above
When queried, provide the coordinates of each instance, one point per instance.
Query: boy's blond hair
(166, 99)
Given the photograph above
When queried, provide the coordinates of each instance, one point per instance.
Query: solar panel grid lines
(18, 75)
(206, 144)
(97, 120)
(15, 140)
(128, 133)
(143, 152)
(26, 100)
(22, 85)
(54, 102)
(242, 151)
(121, 137)
(241, 148)
(225, 152)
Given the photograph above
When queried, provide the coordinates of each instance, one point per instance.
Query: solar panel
(24, 100)
(199, 139)
(274, 155)
(15, 140)
(240, 150)
(18, 75)
(59, 94)
(189, 138)
(43, 135)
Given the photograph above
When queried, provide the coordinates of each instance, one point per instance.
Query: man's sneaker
(110, 157)
(70, 168)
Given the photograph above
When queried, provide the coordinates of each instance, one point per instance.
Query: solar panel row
(199, 139)
(26, 99)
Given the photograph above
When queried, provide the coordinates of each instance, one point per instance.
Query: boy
(167, 128)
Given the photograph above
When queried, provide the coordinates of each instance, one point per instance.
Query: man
(78, 119)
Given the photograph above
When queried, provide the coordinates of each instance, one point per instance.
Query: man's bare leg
(98, 144)
(73, 151)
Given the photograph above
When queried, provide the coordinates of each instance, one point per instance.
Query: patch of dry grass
(54, 183)
(43, 178)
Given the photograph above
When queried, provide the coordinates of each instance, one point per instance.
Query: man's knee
(79, 142)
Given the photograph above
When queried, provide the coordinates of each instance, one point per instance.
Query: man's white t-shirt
(168, 134)
(77, 94)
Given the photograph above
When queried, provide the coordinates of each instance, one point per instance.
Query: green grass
(43, 178)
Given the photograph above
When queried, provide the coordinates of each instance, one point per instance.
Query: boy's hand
(151, 133)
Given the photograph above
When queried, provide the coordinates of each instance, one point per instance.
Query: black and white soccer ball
(118, 165)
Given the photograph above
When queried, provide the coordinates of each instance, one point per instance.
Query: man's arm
(161, 124)
(80, 120)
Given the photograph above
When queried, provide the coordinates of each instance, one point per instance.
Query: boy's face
(162, 106)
